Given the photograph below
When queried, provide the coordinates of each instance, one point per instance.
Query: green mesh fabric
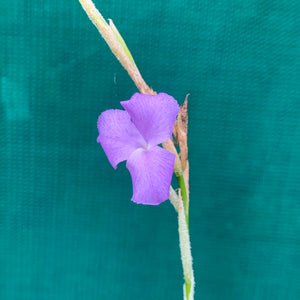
(68, 229)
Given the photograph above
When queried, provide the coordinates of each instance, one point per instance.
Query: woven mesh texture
(68, 229)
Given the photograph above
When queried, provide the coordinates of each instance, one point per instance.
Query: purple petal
(118, 135)
(153, 115)
(151, 173)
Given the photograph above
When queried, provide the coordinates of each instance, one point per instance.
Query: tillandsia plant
(134, 135)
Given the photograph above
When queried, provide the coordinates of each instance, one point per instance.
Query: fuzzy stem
(174, 199)
(186, 255)
(120, 39)
(169, 145)
(181, 183)
(117, 45)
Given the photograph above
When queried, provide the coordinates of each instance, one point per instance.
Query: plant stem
(185, 250)
(181, 183)
(117, 45)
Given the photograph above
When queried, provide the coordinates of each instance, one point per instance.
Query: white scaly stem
(186, 255)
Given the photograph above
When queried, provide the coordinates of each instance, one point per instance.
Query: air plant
(134, 135)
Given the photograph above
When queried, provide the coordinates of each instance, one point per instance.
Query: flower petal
(151, 173)
(118, 135)
(153, 115)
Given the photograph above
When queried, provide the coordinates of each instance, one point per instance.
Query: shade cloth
(68, 229)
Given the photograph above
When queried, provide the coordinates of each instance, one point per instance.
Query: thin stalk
(117, 45)
(121, 41)
(182, 187)
(185, 250)
(174, 199)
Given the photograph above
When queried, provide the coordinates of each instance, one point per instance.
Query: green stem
(182, 187)
(188, 286)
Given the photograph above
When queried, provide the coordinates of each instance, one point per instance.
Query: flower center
(146, 147)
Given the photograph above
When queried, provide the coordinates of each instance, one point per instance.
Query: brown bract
(180, 133)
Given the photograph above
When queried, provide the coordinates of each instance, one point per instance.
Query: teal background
(68, 229)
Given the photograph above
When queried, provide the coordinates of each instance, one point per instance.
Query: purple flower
(134, 134)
